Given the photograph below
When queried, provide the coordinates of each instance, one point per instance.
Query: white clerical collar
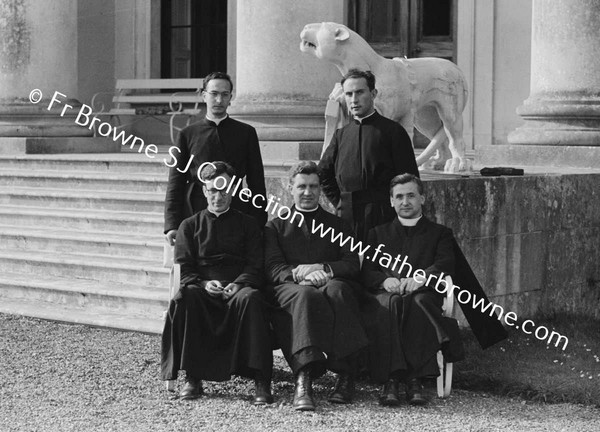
(409, 222)
(217, 214)
(216, 120)
(360, 119)
(308, 211)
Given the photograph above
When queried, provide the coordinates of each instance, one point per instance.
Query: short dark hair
(357, 73)
(406, 178)
(218, 75)
(304, 167)
(211, 172)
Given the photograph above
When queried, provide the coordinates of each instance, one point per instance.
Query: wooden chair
(444, 381)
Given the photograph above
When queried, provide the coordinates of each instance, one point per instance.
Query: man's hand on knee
(230, 290)
(409, 285)
(318, 278)
(214, 288)
(171, 237)
(393, 285)
(300, 272)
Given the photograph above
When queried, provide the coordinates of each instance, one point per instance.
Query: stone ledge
(539, 155)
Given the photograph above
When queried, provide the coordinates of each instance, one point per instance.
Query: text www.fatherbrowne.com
(463, 296)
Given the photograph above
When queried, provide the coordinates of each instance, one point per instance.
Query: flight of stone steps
(81, 234)
(81, 239)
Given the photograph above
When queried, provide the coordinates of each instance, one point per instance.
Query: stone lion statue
(427, 93)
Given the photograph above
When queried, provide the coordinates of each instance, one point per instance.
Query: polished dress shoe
(390, 393)
(343, 392)
(262, 392)
(303, 397)
(414, 392)
(192, 389)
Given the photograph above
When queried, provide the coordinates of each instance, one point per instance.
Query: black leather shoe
(192, 389)
(343, 392)
(414, 392)
(262, 392)
(303, 396)
(390, 393)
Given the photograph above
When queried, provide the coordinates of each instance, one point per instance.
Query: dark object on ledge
(498, 171)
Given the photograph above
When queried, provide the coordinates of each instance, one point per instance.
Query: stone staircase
(81, 239)
(81, 234)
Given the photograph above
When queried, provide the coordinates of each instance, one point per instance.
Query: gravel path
(58, 377)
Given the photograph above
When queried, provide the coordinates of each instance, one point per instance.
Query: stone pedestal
(281, 91)
(38, 50)
(563, 108)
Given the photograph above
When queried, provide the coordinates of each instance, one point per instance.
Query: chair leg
(170, 385)
(448, 386)
(440, 378)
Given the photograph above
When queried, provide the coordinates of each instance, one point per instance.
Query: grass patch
(534, 370)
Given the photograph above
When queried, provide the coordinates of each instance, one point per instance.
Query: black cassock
(310, 320)
(407, 331)
(206, 336)
(357, 168)
(231, 141)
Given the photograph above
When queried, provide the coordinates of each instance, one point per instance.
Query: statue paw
(458, 164)
(452, 165)
(466, 165)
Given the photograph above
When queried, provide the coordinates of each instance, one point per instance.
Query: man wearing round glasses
(215, 137)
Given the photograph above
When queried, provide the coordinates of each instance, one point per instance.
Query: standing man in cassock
(409, 328)
(217, 324)
(363, 156)
(216, 137)
(313, 283)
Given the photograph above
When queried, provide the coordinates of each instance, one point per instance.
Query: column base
(21, 118)
(558, 121)
(282, 120)
(53, 145)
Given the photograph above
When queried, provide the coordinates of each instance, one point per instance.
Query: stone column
(38, 50)
(281, 91)
(562, 113)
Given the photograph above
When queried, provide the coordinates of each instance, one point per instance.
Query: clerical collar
(307, 211)
(216, 120)
(217, 214)
(361, 119)
(409, 222)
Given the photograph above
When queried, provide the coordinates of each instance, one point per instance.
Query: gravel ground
(59, 377)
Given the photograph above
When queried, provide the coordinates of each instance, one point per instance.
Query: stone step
(82, 219)
(82, 198)
(89, 180)
(91, 242)
(146, 301)
(77, 315)
(113, 162)
(129, 163)
(79, 265)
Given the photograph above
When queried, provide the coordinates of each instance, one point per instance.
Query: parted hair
(210, 172)
(406, 178)
(218, 75)
(304, 167)
(357, 73)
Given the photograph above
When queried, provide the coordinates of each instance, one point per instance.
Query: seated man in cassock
(313, 283)
(217, 324)
(408, 327)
